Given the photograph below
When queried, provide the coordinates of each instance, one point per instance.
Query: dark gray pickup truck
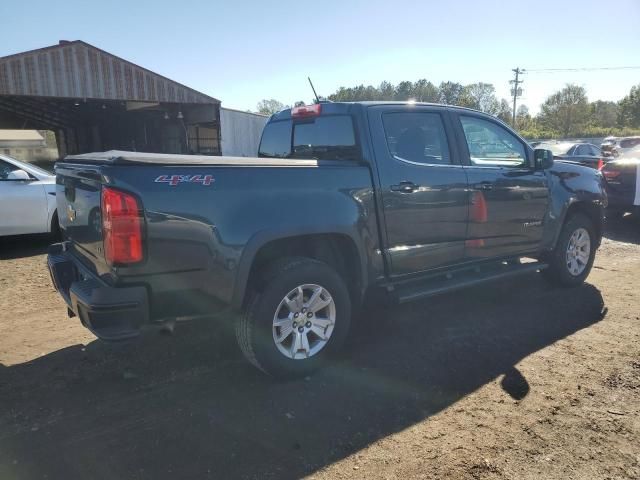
(347, 204)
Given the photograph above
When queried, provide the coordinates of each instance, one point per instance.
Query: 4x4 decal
(174, 180)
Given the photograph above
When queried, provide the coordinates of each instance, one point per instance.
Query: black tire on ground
(558, 272)
(254, 327)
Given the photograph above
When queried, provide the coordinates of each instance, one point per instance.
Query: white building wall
(240, 132)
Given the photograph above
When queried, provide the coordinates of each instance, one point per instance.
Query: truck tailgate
(78, 190)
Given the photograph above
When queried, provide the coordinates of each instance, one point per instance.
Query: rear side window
(416, 137)
(582, 150)
(325, 138)
(331, 137)
(276, 140)
(595, 151)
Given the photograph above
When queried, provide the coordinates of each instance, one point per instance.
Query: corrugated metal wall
(79, 70)
(240, 132)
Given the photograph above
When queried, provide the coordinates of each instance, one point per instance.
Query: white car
(27, 199)
(625, 145)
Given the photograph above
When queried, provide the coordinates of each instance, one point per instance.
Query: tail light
(307, 111)
(600, 164)
(121, 227)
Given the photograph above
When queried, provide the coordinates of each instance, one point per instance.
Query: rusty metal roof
(81, 71)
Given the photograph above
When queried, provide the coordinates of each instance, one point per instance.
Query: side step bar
(448, 283)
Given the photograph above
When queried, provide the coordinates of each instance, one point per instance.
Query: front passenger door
(508, 198)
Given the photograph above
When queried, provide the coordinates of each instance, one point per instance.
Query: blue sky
(243, 51)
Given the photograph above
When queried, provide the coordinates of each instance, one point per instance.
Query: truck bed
(118, 157)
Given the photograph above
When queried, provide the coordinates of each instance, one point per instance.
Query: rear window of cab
(329, 137)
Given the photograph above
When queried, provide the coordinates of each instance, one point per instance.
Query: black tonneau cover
(118, 157)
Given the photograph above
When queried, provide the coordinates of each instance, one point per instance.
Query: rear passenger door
(508, 198)
(422, 185)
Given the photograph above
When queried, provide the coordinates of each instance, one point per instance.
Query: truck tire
(296, 319)
(572, 259)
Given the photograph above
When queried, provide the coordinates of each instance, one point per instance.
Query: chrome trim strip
(446, 165)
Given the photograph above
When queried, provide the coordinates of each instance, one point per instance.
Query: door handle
(483, 186)
(405, 187)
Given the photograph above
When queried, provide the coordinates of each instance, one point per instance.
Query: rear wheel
(572, 259)
(297, 319)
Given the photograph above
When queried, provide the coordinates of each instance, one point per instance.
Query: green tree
(271, 106)
(482, 96)
(451, 93)
(425, 91)
(386, 90)
(523, 118)
(404, 91)
(504, 111)
(566, 111)
(629, 115)
(604, 114)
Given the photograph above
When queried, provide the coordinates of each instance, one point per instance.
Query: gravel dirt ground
(508, 381)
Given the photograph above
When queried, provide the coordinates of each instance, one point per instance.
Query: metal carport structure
(96, 101)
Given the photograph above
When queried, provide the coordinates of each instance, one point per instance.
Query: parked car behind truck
(585, 154)
(622, 177)
(346, 201)
(27, 199)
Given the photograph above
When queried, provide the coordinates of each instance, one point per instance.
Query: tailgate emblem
(174, 180)
(71, 213)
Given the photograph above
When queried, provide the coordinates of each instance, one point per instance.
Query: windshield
(30, 167)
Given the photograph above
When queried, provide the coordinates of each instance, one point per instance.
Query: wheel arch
(337, 248)
(592, 210)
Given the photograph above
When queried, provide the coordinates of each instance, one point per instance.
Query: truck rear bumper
(111, 313)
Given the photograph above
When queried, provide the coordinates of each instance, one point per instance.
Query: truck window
(325, 138)
(582, 150)
(492, 145)
(416, 137)
(276, 140)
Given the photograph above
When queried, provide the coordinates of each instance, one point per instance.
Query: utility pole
(515, 91)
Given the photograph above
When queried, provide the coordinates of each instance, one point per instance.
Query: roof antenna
(314, 90)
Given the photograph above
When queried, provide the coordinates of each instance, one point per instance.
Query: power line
(580, 69)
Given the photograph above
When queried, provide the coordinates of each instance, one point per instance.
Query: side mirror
(543, 158)
(18, 175)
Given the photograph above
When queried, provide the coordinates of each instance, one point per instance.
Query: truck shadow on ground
(188, 406)
(625, 229)
(22, 246)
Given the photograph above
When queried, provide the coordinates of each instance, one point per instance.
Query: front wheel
(297, 319)
(572, 259)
